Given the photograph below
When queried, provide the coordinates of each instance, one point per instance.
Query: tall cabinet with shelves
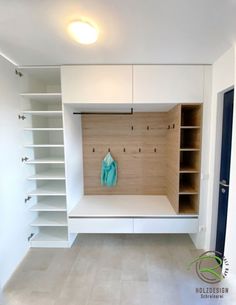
(184, 154)
(190, 150)
(42, 120)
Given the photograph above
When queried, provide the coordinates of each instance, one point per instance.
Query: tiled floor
(109, 270)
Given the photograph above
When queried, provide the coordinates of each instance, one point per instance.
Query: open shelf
(141, 206)
(190, 127)
(43, 96)
(43, 145)
(43, 112)
(188, 169)
(49, 160)
(190, 138)
(51, 174)
(50, 204)
(188, 183)
(48, 219)
(50, 189)
(191, 115)
(43, 129)
(187, 190)
(189, 162)
(188, 204)
(50, 237)
(189, 149)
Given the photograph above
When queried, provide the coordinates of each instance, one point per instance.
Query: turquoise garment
(109, 171)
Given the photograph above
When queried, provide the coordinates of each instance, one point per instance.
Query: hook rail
(106, 113)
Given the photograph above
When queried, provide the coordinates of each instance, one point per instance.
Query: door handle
(223, 183)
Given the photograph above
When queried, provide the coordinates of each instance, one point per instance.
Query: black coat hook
(155, 150)
(147, 127)
(109, 150)
(139, 150)
(93, 149)
(124, 150)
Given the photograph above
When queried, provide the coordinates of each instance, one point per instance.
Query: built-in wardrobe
(148, 117)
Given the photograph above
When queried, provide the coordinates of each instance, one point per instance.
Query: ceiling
(131, 31)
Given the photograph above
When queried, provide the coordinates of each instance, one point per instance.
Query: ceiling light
(83, 32)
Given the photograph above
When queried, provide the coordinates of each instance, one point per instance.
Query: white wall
(199, 239)
(222, 81)
(14, 217)
(230, 245)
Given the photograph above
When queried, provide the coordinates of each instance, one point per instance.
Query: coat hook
(132, 127)
(168, 126)
(139, 150)
(173, 126)
(124, 150)
(93, 149)
(109, 150)
(155, 150)
(147, 127)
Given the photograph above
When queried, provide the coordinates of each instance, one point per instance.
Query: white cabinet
(96, 84)
(166, 225)
(168, 83)
(101, 225)
(44, 156)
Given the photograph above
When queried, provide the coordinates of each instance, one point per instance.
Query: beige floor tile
(108, 270)
(106, 291)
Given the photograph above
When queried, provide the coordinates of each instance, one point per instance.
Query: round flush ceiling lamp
(83, 32)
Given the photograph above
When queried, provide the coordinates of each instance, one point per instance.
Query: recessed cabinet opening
(43, 122)
(189, 183)
(39, 103)
(43, 138)
(190, 139)
(189, 161)
(188, 204)
(147, 147)
(191, 115)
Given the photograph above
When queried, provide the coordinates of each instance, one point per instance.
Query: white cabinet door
(100, 225)
(96, 84)
(166, 225)
(168, 83)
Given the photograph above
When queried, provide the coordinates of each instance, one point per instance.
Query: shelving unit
(190, 147)
(44, 143)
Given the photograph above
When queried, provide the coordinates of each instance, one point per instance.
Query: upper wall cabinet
(96, 84)
(168, 83)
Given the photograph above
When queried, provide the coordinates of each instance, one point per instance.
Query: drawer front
(100, 225)
(166, 225)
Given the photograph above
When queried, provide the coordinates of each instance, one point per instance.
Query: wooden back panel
(138, 144)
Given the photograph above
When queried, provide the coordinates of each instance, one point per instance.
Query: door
(224, 170)
(97, 84)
